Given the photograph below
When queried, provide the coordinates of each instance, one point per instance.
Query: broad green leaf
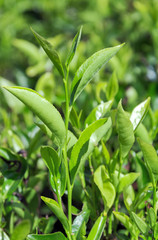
(98, 228)
(125, 220)
(89, 68)
(140, 223)
(52, 54)
(112, 87)
(3, 235)
(51, 159)
(127, 180)
(79, 221)
(139, 113)
(21, 230)
(99, 112)
(106, 188)
(125, 131)
(75, 43)
(53, 236)
(152, 217)
(54, 207)
(42, 108)
(79, 148)
(150, 156)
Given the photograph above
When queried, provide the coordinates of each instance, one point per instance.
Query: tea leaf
(142, 226)
(141, 132)
(53, 236)
(152, 217)
(89, 68)
(106, 188)
(139, 113)
(78, 149)
(150, 156)
(21, 230)
(52, 54)
(79, 221)
(75, 43)
(54, 207)
(112, 87)
(156, 231)
(42, 108)
(51, 159)
(125, 220)
(3, 235)
(125, 131)
(99, 112)
(98, 228)
(127, 180)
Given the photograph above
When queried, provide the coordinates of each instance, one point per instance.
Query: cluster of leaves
(92, 162)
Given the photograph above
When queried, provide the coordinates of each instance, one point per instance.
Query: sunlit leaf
(127, 180)
(139, 113)
(89, 68)
(21, 230)
(53, 236)
(42, 108)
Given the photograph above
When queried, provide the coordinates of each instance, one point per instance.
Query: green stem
(67, 113)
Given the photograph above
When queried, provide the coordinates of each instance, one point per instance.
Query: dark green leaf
(75, 43)
(52, 54)
(89, 68)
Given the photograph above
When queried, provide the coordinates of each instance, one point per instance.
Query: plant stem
(67, 113)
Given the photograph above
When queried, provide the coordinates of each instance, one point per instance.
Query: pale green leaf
(125, 131)
(150, 156)
(54, 207)
(140, 223)
(50, 51)
(89, 68)
(112, 87)
(98, 228)
(139, 113)
(21, 230)
(99, 112)
(105, 186)
(152, 217)
(42, 108)
(127, 180)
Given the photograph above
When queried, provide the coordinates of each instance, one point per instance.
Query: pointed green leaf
(112, 87)
(139, 113)
(152, 217)
(141, 132)
(127, 180)
(53, 236)
(105, 153)
(140, 223)
(99, 112)
(98, 228)
(106, 188)
(42, 108)
(125, 220)
(125, 131)
(75, 43)
(54, 207)
(51, 159)
(89, 68)
(52, 54)
(21, 230)
(150, 156)
(79, 221)
(80, 147)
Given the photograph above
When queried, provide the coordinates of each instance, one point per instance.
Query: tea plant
(104, 179)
